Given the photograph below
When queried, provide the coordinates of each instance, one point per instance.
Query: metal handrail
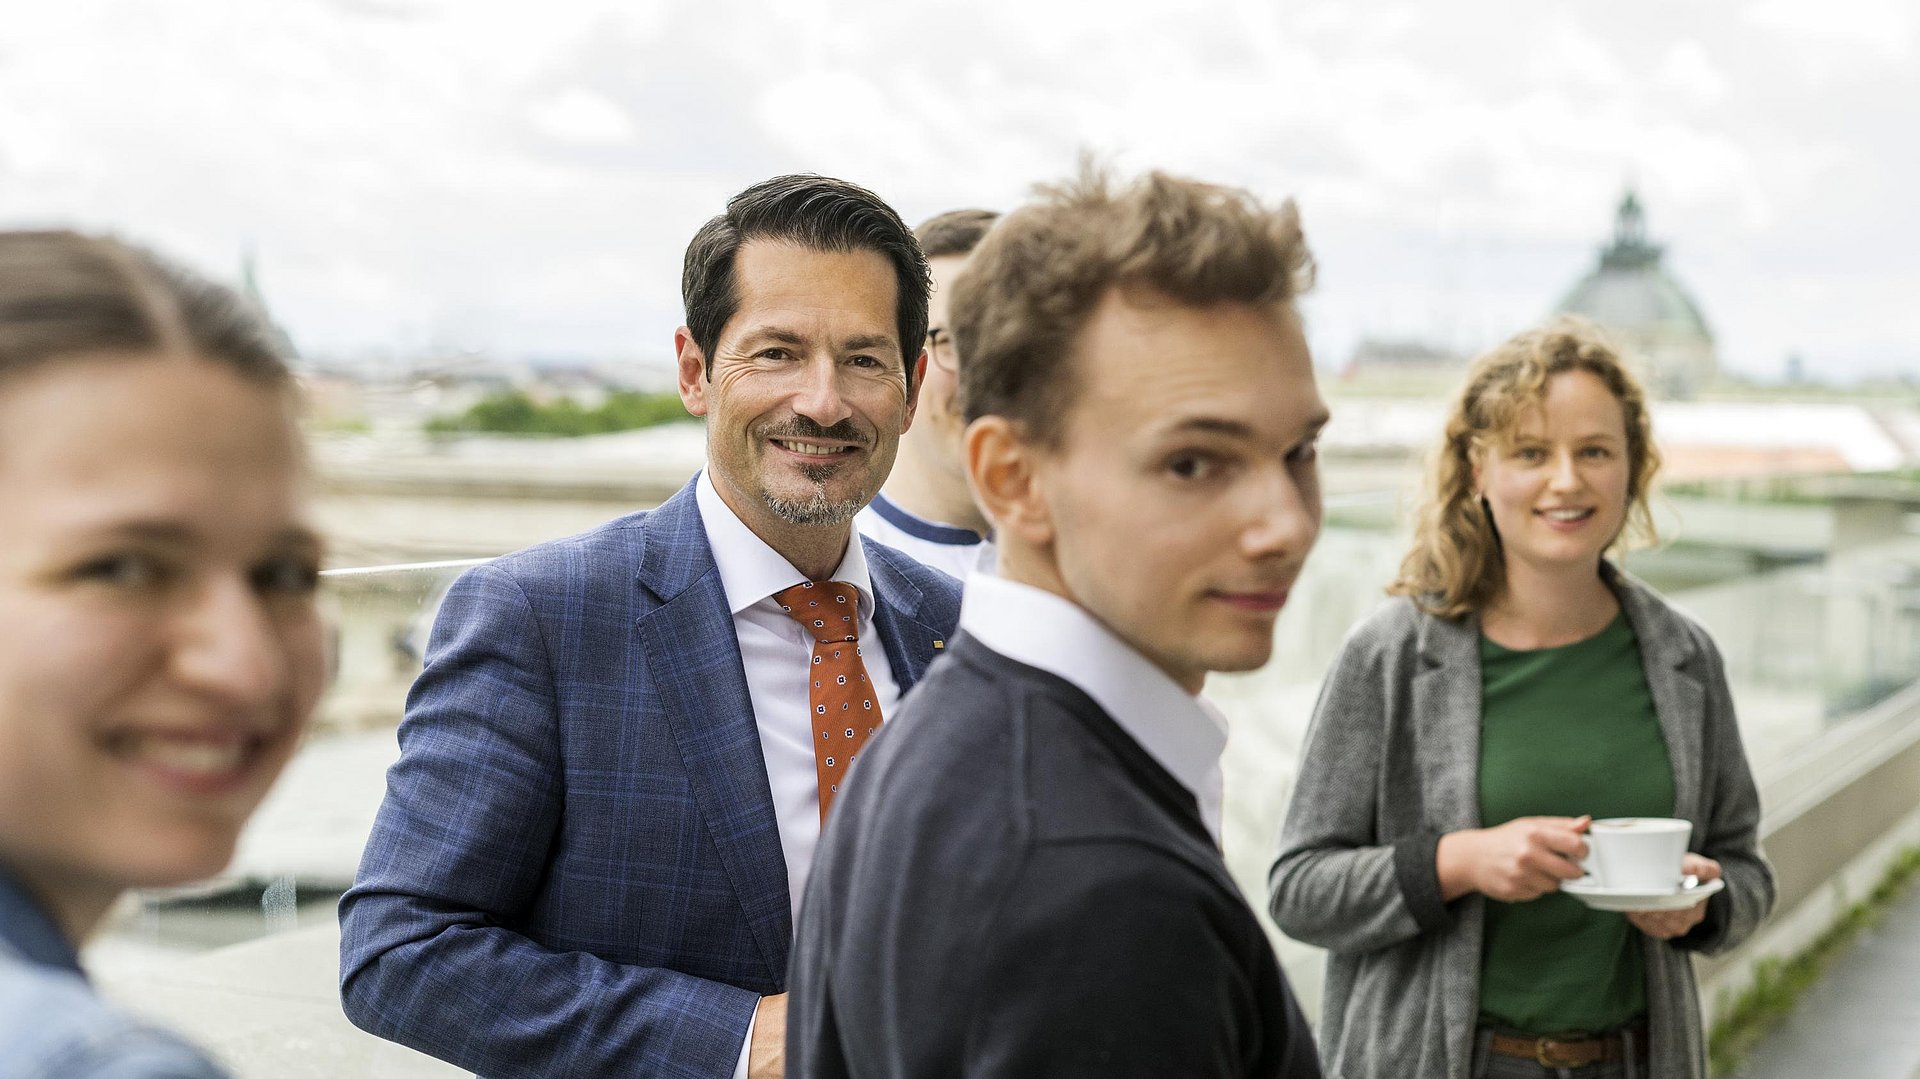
(401, 567)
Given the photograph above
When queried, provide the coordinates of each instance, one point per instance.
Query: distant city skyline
(426, 175)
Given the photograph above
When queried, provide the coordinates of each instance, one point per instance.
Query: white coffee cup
(1637, 853)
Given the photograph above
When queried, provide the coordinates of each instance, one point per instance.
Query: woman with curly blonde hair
(1519, 686)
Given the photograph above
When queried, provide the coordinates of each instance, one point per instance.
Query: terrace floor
(1862, 1019)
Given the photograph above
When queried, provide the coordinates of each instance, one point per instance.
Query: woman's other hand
(1668, 924)
(1523, 859)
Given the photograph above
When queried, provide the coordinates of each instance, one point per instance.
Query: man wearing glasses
(926, 509)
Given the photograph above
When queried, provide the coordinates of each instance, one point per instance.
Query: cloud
(1883, 30)
(429, 173)
(580, 117)
(1691, 75)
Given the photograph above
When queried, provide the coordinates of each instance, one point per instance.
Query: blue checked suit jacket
(576, 870)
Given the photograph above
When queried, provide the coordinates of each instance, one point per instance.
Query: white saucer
(1692, 890)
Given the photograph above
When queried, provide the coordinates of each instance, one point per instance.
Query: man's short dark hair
(1030, 288)
(956, 232)
(817, 212)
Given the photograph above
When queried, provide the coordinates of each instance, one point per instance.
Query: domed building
(1646, 310)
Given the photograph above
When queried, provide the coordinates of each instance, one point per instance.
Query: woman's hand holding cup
(1668, 924)
(1523, 859)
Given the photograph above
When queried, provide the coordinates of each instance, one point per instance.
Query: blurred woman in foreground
(160, 651)
(1470, 730)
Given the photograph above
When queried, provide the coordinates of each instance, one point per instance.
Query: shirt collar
(751, 571)
(1043, 630)
(920, 528)
(29, 931)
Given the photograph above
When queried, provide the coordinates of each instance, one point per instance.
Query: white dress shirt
(1184, 733)
(956, 552)
(777, 653)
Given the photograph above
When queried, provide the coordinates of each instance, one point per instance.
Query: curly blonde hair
(1455, 566)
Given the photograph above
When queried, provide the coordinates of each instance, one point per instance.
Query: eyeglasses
(940, 350)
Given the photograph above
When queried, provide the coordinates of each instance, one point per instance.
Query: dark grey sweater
(1011, 886)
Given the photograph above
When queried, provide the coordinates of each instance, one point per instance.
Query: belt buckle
(1544, 1048)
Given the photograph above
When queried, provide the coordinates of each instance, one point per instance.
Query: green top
(1565, 732)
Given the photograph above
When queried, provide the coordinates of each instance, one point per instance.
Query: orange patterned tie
(841, 698)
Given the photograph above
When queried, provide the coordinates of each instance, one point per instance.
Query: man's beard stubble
(818, 510)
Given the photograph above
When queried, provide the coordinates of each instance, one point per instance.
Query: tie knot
(827, 609)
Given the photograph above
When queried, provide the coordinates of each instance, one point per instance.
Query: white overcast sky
(522, 178)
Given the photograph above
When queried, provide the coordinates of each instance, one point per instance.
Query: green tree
(514, 413)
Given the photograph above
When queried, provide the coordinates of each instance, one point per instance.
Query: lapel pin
(938, 644)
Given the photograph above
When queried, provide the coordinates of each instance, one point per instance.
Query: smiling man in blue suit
(615, 763)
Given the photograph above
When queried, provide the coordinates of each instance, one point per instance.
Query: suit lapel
(1446, 712)
(693, 658)
(1667, 652)
(896, 608)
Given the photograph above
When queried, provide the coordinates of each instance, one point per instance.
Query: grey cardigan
(1392, 763)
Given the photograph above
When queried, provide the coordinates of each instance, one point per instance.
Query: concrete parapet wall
(1834, 819)
(270, 1009)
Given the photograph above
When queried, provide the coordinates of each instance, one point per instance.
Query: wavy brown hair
(1034, 281)
(1455, 567)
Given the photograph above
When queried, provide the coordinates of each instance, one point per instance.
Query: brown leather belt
(1573, 1052)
